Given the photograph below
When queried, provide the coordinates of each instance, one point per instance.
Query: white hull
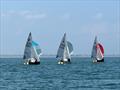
(60, 62)
(32, 61)
(64, 61)
(95, 60)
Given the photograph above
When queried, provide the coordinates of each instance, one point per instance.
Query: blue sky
(48, 20)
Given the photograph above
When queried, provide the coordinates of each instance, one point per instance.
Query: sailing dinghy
(64, 51)
(32, 51)
(97, 52)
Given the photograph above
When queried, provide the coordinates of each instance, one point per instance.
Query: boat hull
(100, 60)
(64, 62)
(32, 61)
(94, 61)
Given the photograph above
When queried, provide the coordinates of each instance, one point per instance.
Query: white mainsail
(28, 48)
(32, 49)
(65, 49)
(61, 48)
(94, 50)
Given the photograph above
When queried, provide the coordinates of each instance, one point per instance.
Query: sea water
(81, 74)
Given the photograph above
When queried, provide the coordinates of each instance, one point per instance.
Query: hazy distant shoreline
(52, 56)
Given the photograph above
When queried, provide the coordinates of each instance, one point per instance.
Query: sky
(48, 20)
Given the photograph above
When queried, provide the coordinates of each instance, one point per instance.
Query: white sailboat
(32, 51)
(64, 51)
(97, 52)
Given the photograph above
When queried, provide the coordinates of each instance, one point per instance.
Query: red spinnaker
(101, 48)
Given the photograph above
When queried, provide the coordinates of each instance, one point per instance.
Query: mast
(65, 49)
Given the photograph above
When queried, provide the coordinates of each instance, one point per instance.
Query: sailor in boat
(33, 61)
(64, 62)
(97, 60)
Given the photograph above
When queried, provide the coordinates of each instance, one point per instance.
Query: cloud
(98, 15)
(5, 14)
(66, 16)
(2, 14)
(95, 28)
(35, 16)
(32, 15)
(10, 13)
(25, 14)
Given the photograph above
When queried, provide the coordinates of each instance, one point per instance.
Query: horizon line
(53, 55)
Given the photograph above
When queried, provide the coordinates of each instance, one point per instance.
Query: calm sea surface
(82, 74)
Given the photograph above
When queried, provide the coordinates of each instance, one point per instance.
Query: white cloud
(2, 14)
(66, 16)
(12, 12)
(25, 14)
(32, 15)
(95, 28)
(35, 16)
(99, 16)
